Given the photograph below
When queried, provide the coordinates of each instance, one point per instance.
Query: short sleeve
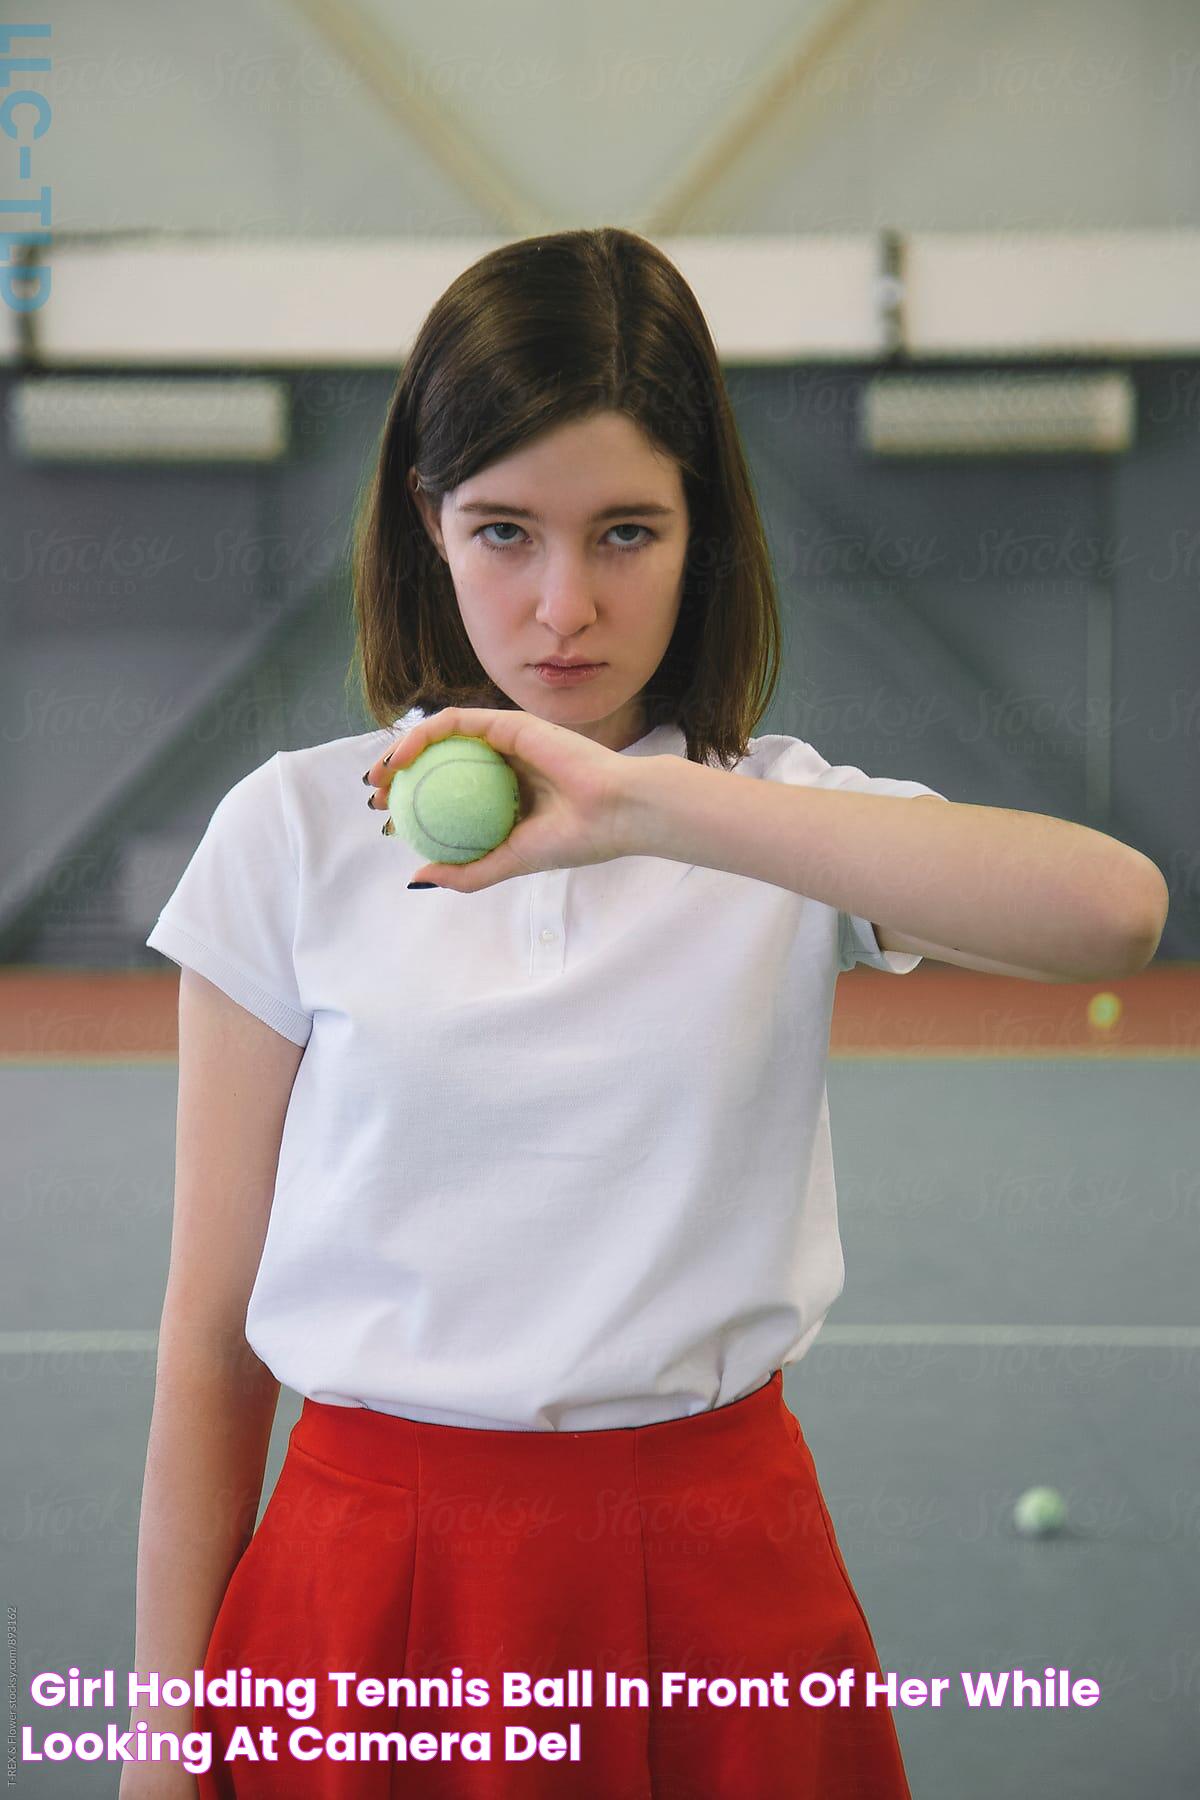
(801, 764)
(232, 916)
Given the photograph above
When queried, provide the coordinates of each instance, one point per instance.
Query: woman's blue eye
(501, 524)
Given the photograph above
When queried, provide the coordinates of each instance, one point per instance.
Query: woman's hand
(574, 794)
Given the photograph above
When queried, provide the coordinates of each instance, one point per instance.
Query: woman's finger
(452, 721)
(500, 864)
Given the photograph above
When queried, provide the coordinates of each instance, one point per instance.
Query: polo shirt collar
(664, 740)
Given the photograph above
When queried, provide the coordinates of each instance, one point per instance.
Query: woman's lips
(560, 677)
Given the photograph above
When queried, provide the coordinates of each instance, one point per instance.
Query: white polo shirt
(557, 1156)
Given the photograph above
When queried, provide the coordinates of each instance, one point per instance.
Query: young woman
(519, 1171)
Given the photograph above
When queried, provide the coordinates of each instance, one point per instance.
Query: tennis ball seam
(448, 763)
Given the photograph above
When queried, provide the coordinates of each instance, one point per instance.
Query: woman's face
(567, 583)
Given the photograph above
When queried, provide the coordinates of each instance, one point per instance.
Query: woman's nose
(565, 606)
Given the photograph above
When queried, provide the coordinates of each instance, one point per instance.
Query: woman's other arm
(214, 1401)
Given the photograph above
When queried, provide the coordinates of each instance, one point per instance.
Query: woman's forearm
(1015, 887)
(209, 1435)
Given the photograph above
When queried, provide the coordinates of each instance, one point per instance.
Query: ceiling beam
(752, 111)
(385, 68)
(229, 303)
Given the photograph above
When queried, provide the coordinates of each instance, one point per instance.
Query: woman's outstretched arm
(1062, 901)
(214, 1401)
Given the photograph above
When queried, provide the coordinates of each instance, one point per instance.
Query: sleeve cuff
(193, 953)
(857, 943)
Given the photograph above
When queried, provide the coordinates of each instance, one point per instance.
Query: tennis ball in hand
(455, 801)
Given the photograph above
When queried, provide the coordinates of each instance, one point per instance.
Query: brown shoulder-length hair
(537, 333)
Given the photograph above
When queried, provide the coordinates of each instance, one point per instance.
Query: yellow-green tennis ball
(1104, 1010)
(1040, 1511)
(455, 801)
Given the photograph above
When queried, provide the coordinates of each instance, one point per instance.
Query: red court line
(104, 1015)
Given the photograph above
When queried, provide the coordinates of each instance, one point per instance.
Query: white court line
(1141, 1337)
(24, 1343)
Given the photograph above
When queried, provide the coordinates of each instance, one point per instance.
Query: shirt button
(547, 936)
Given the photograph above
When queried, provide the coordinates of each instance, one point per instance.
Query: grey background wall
(1018, 632)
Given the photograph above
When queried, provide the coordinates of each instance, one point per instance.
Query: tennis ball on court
(1039, 1511)
(455, 801)
(1104, 1010)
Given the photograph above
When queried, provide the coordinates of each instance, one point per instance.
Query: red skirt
(698, 1547)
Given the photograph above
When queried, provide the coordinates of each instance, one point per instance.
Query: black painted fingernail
(366, 783)
(371, 801)
(422, 884)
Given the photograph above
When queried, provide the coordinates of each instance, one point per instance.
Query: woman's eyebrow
(610, 512)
